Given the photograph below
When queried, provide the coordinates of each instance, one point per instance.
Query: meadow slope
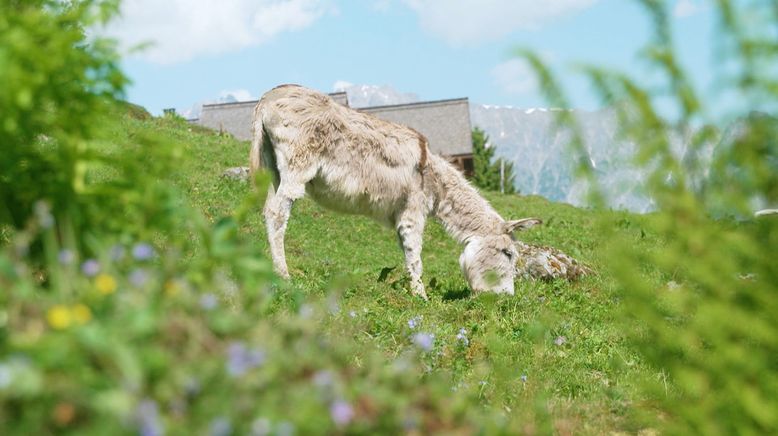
(553, 350)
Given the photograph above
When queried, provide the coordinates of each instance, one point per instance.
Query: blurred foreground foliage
(710, 332)
(125, 310)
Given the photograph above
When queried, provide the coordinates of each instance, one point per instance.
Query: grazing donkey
(355, 163)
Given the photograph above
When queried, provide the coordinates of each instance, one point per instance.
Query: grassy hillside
(554, 341)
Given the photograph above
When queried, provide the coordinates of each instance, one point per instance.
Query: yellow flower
(81, 313)
(105, 283)
(59, 317)
(172, 287)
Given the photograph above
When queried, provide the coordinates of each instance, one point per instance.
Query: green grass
(587, 384)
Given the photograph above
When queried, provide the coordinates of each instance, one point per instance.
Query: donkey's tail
(258, 139)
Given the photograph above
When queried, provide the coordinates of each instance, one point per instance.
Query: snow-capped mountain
(373, 95)
(545, 165)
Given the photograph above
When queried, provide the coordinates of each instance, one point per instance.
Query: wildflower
(172, 287)
(105, 284)
(6, 375)
(425, 341)
(43, 214)
(260, 427)
(241, 359)
(90, 267)
(81, 313)
(208, 301)
(142, 251)
(341, 412)
(560, 340)
(221, 426)
(352, 314)
(66, 257)
(138, 277)
(116, 253)
(462, 337)
(147, 417)
(414, 322)
(285, 428)
(59, 317)
(323, 378)
(523, 378)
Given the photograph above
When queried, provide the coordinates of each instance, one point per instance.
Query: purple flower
(208, 301)
(560, 340)
(425, 341)
(66, 257)
(341, 412)
(142, 251)
(138, 277)
(462, 337)
(90, 267)
(221, 426)
(241, 359)
(414, 322)
(147, 416)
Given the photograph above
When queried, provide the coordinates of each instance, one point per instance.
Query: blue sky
(206, 49)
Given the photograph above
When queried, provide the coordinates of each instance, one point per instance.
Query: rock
(236, 173)
(547, 263)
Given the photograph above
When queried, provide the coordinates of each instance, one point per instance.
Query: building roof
(445, 123)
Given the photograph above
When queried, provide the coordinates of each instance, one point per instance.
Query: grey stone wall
(445, 123)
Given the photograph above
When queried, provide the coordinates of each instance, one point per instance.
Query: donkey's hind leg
(278, 207)
(410, 228)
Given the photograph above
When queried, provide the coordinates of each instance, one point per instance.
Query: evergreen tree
(486, 169)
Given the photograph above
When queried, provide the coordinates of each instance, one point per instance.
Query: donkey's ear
(522, 224)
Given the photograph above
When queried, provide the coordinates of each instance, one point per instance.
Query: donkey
(355, 163)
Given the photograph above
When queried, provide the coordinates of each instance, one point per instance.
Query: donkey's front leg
(410, 228)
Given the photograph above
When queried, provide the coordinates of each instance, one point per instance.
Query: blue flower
(142, 251)
(241, 359)
(208, 301)
(425, 341)
(116, 253)
(147, 416)
(341, 412)
(66, 257)
(560, 340)
(43, 214)
(221, 426)
(414, 322)
(90, 267)
(138, 277)
(260, 427)
(462, 337)
(285, 428)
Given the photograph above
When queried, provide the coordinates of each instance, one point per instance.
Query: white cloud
(341, 85)
(686, 8)
(180, 30)
(461, 22)
(226, 96)
(515, 77)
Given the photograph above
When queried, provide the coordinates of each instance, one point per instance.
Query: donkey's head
(489, 262)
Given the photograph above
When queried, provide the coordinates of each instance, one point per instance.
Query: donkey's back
(346, 160)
